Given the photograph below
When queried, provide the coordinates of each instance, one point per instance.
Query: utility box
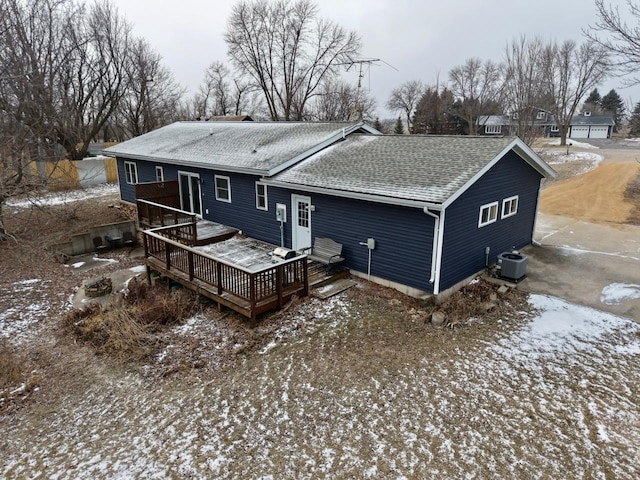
(512, 266)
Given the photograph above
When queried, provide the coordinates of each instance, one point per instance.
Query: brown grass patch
(480, 300)
(131, 329)
(632, 194)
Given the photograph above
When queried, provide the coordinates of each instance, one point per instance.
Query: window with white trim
(509, 206)
(541, 115)
(555, 128)
(488, 214)
(493, 129)
(223, 188)
(131, 172)
(261, 196)
(159, 174)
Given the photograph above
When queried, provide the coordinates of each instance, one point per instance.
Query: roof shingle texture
(411, 167)
(259, 146)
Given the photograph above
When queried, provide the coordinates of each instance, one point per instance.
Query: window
(555, 128)
(261, 196)
(223, 188)
(509, 206)
(159, 174)
(488, 214)
(541, 115)
(493, 129)
(131, 172)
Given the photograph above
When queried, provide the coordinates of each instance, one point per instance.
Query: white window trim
(507, 201)
(492, 129)
(488, 206)
(555, 128)
(215, 186)
(131, 171)
(266, 197)
(159, 169)
(541, 116)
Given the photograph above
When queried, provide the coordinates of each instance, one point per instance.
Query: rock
(503, 289)
(493, 297)
(438, 318)
(395, 301)
(488, 306)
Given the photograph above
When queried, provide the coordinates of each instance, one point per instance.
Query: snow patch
(574, 143)
(50, 199)
(616, 293)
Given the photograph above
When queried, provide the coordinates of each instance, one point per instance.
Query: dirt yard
(600, 195)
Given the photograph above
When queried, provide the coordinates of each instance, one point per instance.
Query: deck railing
(246, 291)
(151, 214)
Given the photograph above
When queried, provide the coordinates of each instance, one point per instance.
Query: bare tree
(571, 71)
(153, 96)
(479, 87)
(622, 39)
(339, 101)
(286, 51)
(524, 84)
(405, 99)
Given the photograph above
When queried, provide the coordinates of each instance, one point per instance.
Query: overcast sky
(420, 38)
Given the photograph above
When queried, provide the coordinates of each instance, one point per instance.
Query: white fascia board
(187, 163)
(321, 146)
(354, 195)
(523, 151)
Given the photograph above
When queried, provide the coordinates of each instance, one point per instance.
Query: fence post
(305, 275)
(279, 284)
(167, 250)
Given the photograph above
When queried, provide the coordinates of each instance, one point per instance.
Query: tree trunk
(564, 129)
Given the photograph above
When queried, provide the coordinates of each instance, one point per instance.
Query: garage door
(579, 132)
(599, 132)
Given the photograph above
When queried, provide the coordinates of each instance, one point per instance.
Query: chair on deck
(325, 251)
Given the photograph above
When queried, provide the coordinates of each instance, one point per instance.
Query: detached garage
(586, 125)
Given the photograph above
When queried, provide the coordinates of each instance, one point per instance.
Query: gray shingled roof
(407, 167)
(257, 147)
(592, 120)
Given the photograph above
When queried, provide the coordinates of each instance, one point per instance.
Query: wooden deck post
(279, 277)
(167, 250)
(219, 277)
(306, 276)
(190, 260)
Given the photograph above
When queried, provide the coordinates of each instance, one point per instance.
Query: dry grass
(10, 366)
(131, 329)
(632, 193)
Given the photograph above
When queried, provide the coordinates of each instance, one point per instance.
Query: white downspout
(436, 236)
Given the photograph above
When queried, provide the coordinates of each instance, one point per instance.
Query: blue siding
(464, 242)
(403, 235)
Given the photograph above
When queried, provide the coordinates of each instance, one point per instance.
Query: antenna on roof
(361, 62)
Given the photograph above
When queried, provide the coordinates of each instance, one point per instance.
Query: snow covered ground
(552, 397)
(58, 198)
(559, 157)
(555, 142)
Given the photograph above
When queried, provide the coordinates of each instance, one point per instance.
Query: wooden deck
(247, 291)
(188, 228)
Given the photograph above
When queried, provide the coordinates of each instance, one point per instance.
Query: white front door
(301, 216)
(190, 198)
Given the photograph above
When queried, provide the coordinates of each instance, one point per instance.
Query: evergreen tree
(594, 97)
(634, 122)
(378, 125)
(399, 128)
(593, 102)
(613, 104)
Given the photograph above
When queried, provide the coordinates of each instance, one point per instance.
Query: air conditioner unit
(512, 266)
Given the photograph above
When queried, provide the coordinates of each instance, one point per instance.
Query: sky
(421, 39)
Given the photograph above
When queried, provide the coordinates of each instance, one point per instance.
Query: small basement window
(261, 196)
(223, 188)
(509, 206)
(488, 214)
(493, 129)
(159, 174)
(131, 172)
